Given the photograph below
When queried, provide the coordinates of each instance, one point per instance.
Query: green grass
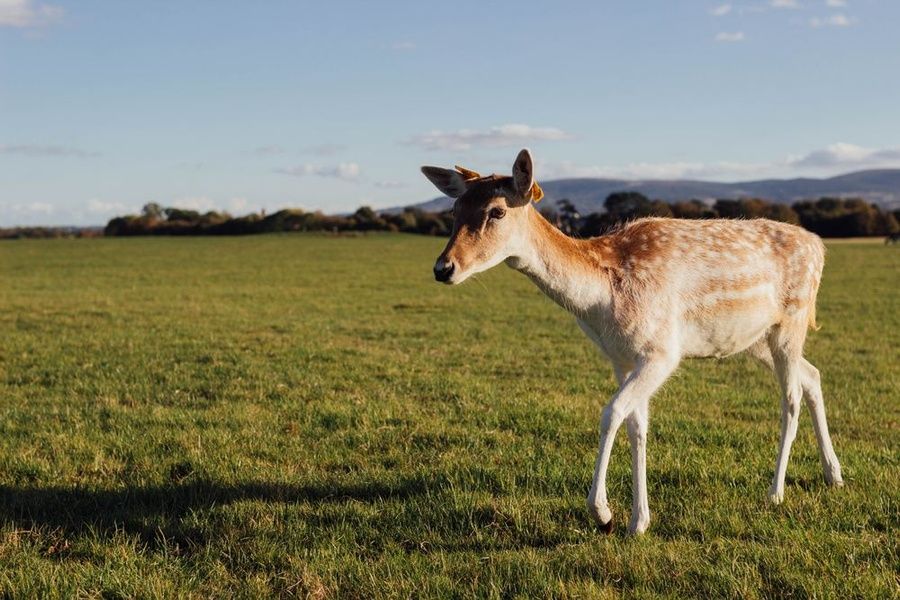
(312, 416)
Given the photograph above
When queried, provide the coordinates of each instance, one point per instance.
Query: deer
(648, 294)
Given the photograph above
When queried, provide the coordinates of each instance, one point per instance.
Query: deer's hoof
(638, 525)
(602, 515)
(607, 527)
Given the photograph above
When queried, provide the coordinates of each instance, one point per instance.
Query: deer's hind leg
(812, 393)
(811, 384)
(786, 344)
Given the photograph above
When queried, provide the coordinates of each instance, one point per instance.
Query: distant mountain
(880, 186)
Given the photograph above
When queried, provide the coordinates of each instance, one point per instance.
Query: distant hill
(880, 186)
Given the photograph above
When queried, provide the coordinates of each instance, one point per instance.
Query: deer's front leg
(648, 374)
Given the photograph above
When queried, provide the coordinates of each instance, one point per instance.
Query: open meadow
(313, 416)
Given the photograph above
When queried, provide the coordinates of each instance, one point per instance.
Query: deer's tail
(812, 312)
(814, 288)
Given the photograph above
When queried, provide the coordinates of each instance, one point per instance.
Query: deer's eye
(496, 213)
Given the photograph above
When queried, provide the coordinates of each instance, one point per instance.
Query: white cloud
(501, 135)
(730, 37)
(673, 170)
(390, 185)
(835, 20)
(45, 150)
(830, 160)
(751, 9)
(201, 204)
(848, 156)
(26, 13)
(784, 4)
(97, 206)
(238, 204)
(33, 208)
(198, 203)
(327, 149)
(403, 46)
(343, 171)
(720, 10)
(836, 3)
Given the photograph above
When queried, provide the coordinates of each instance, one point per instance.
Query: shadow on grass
(156, 513)
(159, 517)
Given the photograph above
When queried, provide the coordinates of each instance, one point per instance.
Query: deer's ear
(450, 183)
(468, 174)
(523, 177)
(523, 172)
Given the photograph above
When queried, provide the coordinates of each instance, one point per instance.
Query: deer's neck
(574, 273)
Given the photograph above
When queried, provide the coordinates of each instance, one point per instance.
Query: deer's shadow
(157, 513)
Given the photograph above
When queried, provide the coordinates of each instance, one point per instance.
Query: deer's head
(491, 215)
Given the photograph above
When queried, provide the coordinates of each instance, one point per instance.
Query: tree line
(37, 232)
(157, 220)
(827, 217)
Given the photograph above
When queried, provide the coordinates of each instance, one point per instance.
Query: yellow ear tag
(468, 174)
(536, 192)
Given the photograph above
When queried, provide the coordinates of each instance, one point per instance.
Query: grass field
(312, 416)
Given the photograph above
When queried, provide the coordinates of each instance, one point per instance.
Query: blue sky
(105, 106)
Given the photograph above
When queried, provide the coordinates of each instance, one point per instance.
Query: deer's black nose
(443, 270)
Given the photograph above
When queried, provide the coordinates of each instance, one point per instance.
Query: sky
(108, 105)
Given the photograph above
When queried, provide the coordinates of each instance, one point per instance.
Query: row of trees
(156, 220)
(828, 217)
(17, 233)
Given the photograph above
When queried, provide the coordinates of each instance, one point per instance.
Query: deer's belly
(717, 336)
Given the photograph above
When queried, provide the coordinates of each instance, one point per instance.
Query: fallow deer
(649, 294)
